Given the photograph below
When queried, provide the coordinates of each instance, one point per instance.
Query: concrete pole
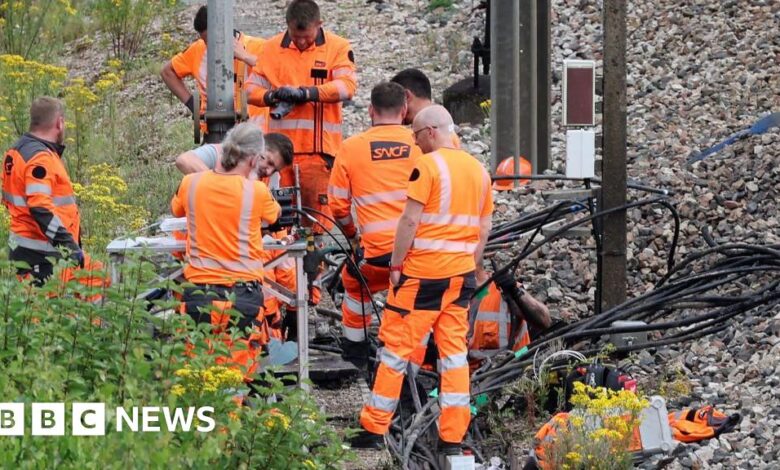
(613, 190)
(220, 112)
(505, 87)
(543, 84)
(528, 84)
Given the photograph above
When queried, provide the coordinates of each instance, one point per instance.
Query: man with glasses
(439, 242)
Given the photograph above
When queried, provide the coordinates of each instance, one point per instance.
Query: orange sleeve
(39, 177)
(270, 209)
(421, 182)
(177, 203)
(487, 204)
(344, 77)
(184, 62)
(339, 195)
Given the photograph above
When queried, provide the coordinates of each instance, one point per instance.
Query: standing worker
(225, 211)
(372, 171)
(418, 95)
(437, 253)
(38, 194)
(193, 62)
(309, 72)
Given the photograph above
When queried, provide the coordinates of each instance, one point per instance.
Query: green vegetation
(440, 4)
(55, 346)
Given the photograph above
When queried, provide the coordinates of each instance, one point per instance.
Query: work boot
(356, 352)
(367, 440)
(449, 448)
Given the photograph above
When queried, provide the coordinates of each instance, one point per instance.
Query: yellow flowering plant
(31, 28)
(600, 433)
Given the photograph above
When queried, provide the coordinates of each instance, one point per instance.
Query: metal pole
(543, 85)
(505, 109)
(613, 189)
(220, 111)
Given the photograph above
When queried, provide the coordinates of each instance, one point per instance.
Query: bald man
(438, 249)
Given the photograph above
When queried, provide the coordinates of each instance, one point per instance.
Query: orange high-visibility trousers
(314, 174)
(413, 308)
(357, 310)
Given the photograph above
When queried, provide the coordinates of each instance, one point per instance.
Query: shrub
(57, 348)
(128, 22)
(31, 28)
(599, 432)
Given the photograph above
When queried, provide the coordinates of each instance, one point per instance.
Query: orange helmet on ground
(507, 168)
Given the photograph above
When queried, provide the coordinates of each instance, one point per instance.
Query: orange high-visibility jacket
(455, 190)
(39, 196)
(327, 68)
(491, 326)
(224, 216)
(193, 62)
(372, 170)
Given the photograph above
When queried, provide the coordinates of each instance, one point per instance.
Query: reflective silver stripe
(424, 341)
(450, 219)
(291, 124)
(202, 77)
(445, 183)
(382, 403)
(345, 220)
(37, 188)
(192, 229)
(241, 266)
(523, 331)
(342, 72)
(343, 91)
(454, 361)
(444, 245)
(15, 240)
(380, 226)
(356, 307)
(485, 190)
(257, 80)
(392, 361)
(453, 399)
(245, 216)
(343, 193)
(376, 198)
(53, 227)
(354, 334)
(64, 200)
(413, 369)
(332, 126)
(18, 201)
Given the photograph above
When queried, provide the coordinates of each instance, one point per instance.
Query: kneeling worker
(372, 171)
(225, 211)
(499, 320)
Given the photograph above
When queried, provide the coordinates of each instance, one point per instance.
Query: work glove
(190, 104)
(78, 258)
(357, 257)
(291, 95)
(507, 284)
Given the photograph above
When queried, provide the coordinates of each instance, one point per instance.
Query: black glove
(190, 104)
(78, 258)
(507, 284)
(290, 94)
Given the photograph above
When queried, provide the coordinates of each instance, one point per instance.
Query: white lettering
(122, 416)
(150, 419)
(204, 418)
(178, 416)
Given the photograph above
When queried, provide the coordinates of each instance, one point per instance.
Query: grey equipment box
(629, 338)
(654, 429)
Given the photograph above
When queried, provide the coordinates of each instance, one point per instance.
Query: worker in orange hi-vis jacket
(370, 175)
(418, 95)
(225, 210)
(193, 62)
(437, 255)
(310, 71)
(38, 194)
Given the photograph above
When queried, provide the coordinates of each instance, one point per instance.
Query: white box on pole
(580, 153)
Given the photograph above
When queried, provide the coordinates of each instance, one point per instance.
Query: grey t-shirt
(208, 155)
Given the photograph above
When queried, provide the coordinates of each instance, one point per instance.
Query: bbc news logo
(89, 419)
